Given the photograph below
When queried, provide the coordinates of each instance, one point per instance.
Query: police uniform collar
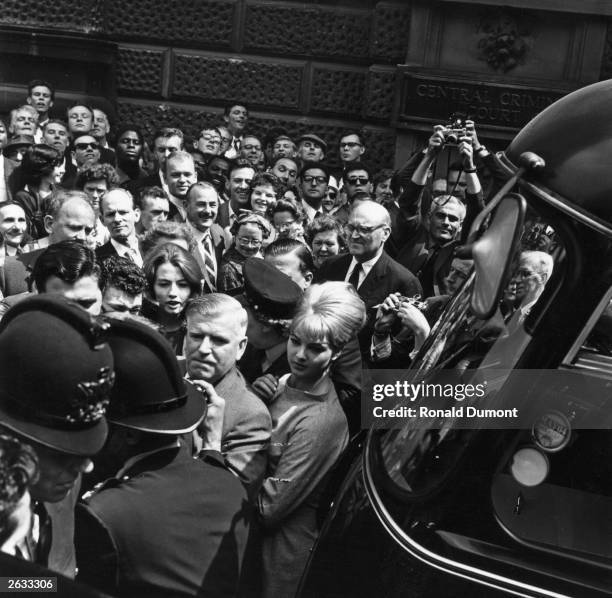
(130, 466)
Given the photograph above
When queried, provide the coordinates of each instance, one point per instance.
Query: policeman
(56, 372)
(166, 524)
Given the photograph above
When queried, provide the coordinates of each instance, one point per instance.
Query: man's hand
(466, 151)
(386, 314)
(470, 129)
(413, 319)
(436, 141)
(265, 387)
(211, 427)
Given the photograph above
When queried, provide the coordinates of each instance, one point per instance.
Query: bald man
(120, 215)
(69, 216)
(367, 267)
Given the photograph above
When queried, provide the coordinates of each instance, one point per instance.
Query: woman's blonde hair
(332, 311)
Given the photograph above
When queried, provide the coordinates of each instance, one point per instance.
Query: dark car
(438, 506)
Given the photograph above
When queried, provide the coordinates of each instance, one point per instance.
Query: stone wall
(306, 66)
(319, 67)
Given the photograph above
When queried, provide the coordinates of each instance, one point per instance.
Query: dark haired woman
(40, 171)
(173, 277)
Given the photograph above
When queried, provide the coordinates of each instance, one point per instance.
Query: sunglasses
(359, 180)
(350, 144)
(84, 146)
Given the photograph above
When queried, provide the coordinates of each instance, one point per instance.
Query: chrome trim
(586, 330)
(424, 555)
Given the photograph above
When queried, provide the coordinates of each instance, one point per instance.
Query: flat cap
(18, 141)
(313, 137)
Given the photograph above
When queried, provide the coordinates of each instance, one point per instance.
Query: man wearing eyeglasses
(313, 180)
(251, 150)
(351, 147)
(367, 266)
(209, 141)
(357, 182)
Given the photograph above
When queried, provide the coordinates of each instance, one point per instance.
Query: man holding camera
(428, 246)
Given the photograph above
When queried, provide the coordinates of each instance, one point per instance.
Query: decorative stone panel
(391, 23)
(140, 71)
(380, 94)
(153, 116)
(84, 16)
(199, 23)
(225, 79)
(606, 62)
(306, 30)
(338, 91)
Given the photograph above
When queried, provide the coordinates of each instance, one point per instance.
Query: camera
(454, 131)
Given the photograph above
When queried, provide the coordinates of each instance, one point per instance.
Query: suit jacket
(16, 270)
(223, 219)
(105, 251)
(246, 430)
(171, 526)
(220, 244)
(386, 277)
(137, 185)
(414, 254)
(411, 238)
(11, 177)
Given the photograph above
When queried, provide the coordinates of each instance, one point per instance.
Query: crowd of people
(184, 328)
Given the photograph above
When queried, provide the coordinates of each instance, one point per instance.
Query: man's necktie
(237, 144)
(354, 277)
(45, 534)
(209, 261)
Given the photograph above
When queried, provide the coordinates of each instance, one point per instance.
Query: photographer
(431, 230)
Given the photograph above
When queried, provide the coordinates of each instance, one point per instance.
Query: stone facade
(318, 67)
(321, 66)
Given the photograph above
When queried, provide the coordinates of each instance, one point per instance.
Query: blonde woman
(310, 432)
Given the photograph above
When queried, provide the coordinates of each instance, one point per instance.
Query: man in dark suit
(216, 340)
(166, 524)
(202, 205)
(427, 245)
(239, 188)
(367, 267)
(120, 215)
